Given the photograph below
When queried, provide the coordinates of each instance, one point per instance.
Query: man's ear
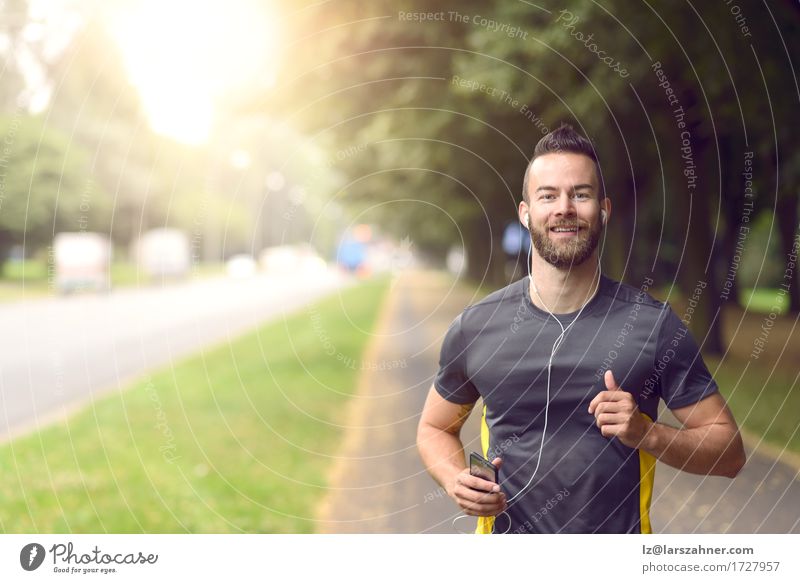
(522, 213)
(605, 205)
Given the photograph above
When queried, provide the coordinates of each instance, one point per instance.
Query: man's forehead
(565, 167)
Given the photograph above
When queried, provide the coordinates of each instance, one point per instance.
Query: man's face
(563, 209)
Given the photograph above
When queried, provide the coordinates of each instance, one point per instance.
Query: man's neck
(562, 291)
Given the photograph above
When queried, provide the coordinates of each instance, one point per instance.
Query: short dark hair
(564, 139)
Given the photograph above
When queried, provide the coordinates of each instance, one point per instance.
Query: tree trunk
(485, 258)
(622, 257)
(696, 272)
(733, 211)
(6, 243)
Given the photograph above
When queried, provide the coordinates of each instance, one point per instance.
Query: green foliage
(97, 105)
(450, 109)
(758, 266)
(45, 186)
(763, 397)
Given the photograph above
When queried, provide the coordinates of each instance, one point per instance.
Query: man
(570, 366)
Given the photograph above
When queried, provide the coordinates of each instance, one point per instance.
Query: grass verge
(237, 439)
(30, 279)
(764, 399)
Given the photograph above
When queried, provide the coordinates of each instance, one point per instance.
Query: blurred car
(81, 261)
(164, 253)
(241, 266)
(278, 260)
(291, 259)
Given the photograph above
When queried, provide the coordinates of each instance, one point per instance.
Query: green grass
(764, 401)
(236, 440)
(764, 300)
(29, 278)
(29, 271)
(130, 275)
(23, 279)
(761, 300)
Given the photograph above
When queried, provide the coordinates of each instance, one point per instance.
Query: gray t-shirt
(497, 350)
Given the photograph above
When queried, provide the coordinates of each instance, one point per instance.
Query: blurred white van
(241, 266)
(164, 253)
(81, 262)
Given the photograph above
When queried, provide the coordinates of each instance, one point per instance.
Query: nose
(565, 207)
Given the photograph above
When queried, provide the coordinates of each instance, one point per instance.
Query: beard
(568, 252)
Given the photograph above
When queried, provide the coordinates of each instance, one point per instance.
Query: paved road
(379, 484)
(57, 353)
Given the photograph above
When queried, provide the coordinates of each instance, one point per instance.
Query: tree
(13, 18)
(44, 184)
(452, 106)
(94, 102)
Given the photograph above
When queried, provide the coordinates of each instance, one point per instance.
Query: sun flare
(185, 57)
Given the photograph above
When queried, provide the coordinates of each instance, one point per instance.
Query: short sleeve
(451, 381)
(684, 378)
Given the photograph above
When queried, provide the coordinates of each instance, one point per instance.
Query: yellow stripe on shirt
(485, 523)
(647, 474)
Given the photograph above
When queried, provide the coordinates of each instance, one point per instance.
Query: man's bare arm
(708, 443)
(439, 438)
(442, 452)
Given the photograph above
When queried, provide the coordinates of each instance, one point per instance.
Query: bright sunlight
(187, 56)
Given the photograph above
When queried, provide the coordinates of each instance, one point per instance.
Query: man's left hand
(616, 414)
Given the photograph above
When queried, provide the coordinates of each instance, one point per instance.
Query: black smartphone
(482, 468)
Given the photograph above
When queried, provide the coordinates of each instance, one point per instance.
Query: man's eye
(583, 195)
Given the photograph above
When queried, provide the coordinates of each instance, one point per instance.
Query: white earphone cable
(559, 340)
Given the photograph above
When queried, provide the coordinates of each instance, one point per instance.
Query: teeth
(565, 230)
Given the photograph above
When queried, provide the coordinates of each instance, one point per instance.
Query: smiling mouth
(565, 229)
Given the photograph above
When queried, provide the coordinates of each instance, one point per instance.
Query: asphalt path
(57, 354)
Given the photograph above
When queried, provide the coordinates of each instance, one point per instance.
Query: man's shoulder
(512, 293)
(628, 294)
(496, 309)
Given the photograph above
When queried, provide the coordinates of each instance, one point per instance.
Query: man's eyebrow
(576, 187)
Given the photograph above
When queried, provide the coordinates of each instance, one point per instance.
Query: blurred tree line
(422, 118)
(88, 160)
(686, 103)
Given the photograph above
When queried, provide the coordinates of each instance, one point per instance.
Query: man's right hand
(476, 496)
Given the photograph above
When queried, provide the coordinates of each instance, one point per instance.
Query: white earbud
(527, 219)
